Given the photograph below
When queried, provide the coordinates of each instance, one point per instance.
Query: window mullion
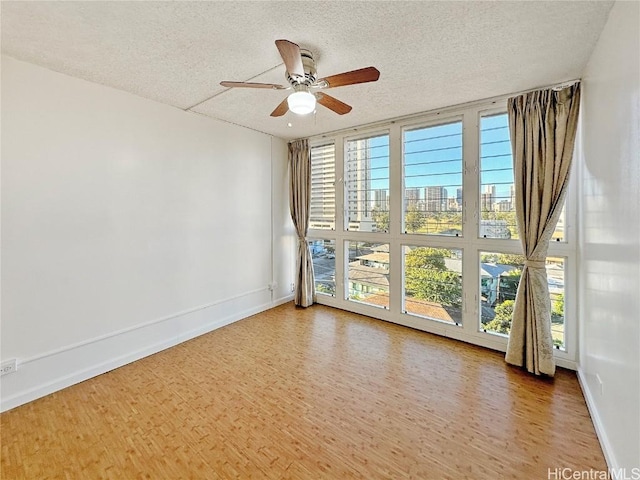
(395, 216)
(470, 189)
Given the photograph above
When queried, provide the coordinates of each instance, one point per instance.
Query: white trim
(605, 444)
(89, 341)
(52, 371)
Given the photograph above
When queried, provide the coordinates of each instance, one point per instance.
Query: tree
(511, 259)
(328, 289)
(381, 218)
(427, 278)
(503, 259)
(557, 309)
(426, 257)
(413, 220)
(501, 323)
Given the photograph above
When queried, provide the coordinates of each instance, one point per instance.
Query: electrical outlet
(9, 366)
(293, 287)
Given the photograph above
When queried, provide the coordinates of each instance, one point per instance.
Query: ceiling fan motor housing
(309, 66)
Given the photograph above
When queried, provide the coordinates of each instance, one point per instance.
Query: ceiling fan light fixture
(301, 102)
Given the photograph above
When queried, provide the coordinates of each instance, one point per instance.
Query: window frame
(470, 242)
(365, 135)
(432, 122)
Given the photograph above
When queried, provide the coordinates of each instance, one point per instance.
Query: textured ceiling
(430, 54)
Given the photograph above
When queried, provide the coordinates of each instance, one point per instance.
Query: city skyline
(432, 173)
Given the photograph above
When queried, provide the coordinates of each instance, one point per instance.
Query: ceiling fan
(301, 75)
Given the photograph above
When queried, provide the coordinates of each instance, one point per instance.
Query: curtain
(542, 126)
(299, 203)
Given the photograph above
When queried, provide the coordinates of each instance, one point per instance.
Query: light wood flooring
(313, 393)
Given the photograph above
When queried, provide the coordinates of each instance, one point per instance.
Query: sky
(433, 157)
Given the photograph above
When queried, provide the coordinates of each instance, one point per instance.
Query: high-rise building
(488, 198)
(435, 199)
(323, 193)
(411, 198)
(358, 184)
(381, 199)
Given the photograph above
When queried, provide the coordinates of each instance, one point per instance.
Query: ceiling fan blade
(253, 85)
(363, 75)
(333, 103)
(290, 53)
(281, 109)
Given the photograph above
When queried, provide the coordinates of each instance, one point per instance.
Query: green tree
(501, 323)
(381, 218)
(427, 278)
(426, 257)
(329, 289)
(511, 259)
(557, 309)
(413, 219)
(513, 273)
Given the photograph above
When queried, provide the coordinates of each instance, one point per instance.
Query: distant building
(323, 193)
(502, 206)
(435, 199)
(381, 199)
(358, 186)
(411, 197)
(494, 229)
(488, 198)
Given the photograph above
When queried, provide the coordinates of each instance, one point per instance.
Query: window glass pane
(368, 273)
(323, 254)
(497, 193)
(433, 283)
(497, 190)
(432, 199)
(367, 184)
(499, 279)
(323, 193)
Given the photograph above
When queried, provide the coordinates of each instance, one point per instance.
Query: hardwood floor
(306, 394)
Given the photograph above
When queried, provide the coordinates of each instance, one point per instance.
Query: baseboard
(605, 444)
(53, 371)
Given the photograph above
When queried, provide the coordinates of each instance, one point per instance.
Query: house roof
(374, 277)
(375, 257)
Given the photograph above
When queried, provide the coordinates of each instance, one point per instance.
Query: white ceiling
(430, 54)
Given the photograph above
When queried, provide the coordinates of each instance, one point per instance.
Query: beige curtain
(299, 203)
(542, 125)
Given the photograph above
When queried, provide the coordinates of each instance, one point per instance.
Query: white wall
(609, 247)
(127, 226)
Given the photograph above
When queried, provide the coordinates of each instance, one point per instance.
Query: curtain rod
(367, 126)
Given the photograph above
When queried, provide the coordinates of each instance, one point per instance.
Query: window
(367, 184)
(432, 196)
(499, 279)
(497, 191)
(323, 254)
(323, 192)
(368, 273)
(433, 283)
(404, 194)
(497, 188)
